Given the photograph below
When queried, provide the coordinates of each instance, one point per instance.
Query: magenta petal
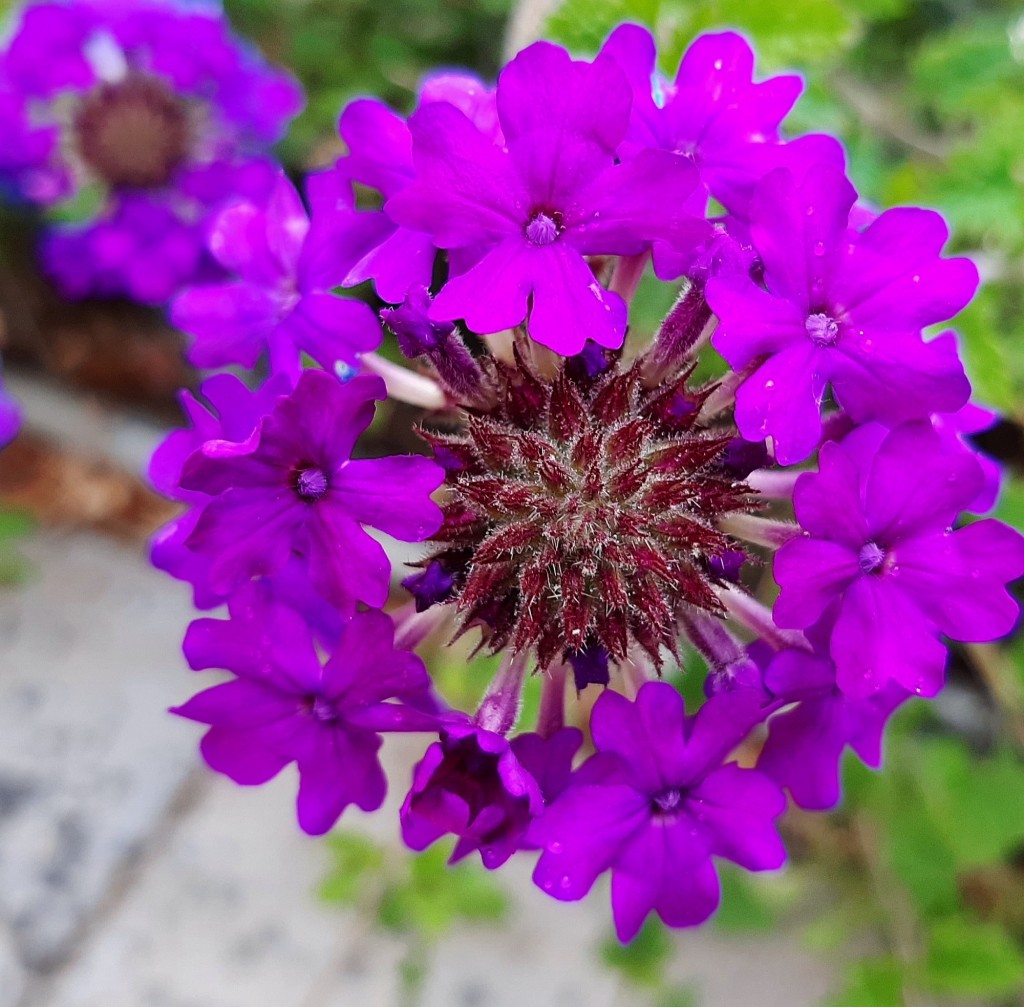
(238, 705)
(332, 329)
(634, 203)
(803, 750)
(894, 278)
(737, 807)
(493, 295)
(688, 897)
(339, 768)
(325, 416)
(812, 574)
(243, 756)
(229, 322)
(405, 259)
(896, 376)
(781, 400)
(345, 563)
(380, 146)
(647, 734)
(238, 241)
(392, 494)
(543, 90)
(465, 190)
(570, 306)
(828, 502)
(752, 322)
(633, 48)
(365, 667)
(960, 578)
(797, 227)
(917, 482)
(248, 533)
(287, 224)
(881, 636)
(582, 833)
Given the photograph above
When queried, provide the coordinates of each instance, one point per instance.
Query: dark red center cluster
(583, 511)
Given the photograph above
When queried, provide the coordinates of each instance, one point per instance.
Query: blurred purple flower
(159, 112)
(280, 300)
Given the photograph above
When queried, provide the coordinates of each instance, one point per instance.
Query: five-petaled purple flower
(285, 706)
(843, 309)
(879, 556)
(293, 488)
(529, 212)
(656, 803)
(714, 113)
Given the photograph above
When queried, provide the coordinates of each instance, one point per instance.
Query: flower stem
(405, 385)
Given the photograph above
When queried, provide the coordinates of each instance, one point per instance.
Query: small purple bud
(431, 586)
(589, 666)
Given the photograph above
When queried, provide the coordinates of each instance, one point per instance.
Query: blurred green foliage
(341, 49)
(14, 529)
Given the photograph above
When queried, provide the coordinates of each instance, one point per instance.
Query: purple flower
(714, 113)
(283, 706)
(369, 244)
(470, 783)
(879, 551)
(955, 428)
(842, 308)
(806, 742)
(10, 415)
(293, 488)
(158, 110)
(281, 300)
(528, 213)
(655, 804)
(232, 414)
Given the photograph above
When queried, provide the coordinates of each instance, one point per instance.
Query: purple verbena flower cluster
(598, 511)
(148, 111)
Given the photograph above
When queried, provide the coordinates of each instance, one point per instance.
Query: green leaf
(358, 860)
(976, 803)
(970, 958)
(677, 996)
(991, 335)
(582, 25)
(877, 982)
(435, 895)
(746, 906)
(792, 34)
(644, 959)
(14, 527)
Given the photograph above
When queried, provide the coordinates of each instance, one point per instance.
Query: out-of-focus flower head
(153, 113)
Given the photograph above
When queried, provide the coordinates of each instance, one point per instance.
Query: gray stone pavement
(132, 877)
